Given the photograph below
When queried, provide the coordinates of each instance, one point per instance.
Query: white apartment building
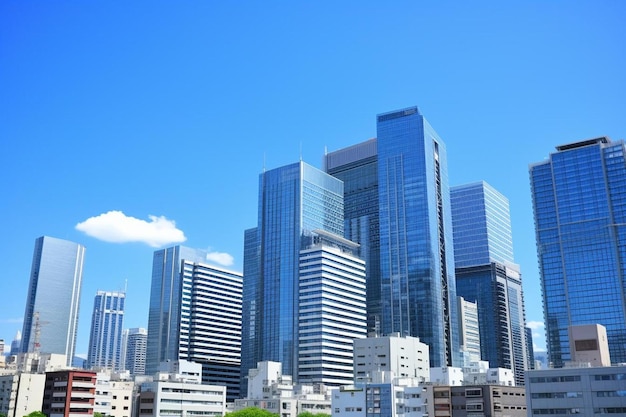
(113, 397)
(21, 393)
(268, 389)
(403, 356)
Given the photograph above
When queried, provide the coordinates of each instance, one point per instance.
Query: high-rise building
(331, 312)
(134, 344)
(398, 209)
(105, 340)
(195, 315)
(579, 203)
(487, 276)
(294, 200)
(51, 314)
(16, 344)
(357, 167)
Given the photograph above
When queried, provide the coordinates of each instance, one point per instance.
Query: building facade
(134, 345)
(52, 302)
(398, 209)
(294, 200)
(486, 274)
(105, 340)
(331, 311)
(579, 206)
(69, 393)
(357, 167)
(469, 330)
(195, 315)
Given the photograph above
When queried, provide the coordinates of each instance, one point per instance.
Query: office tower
(357, 167)
(16, 344)
(530, 350)
(195, 315)
(580, 223)
(294, 200)
(105, 339)
(51, 314)
(486, 274)
(400, 182)
(331, 309)
(469, 330)
(135, 342)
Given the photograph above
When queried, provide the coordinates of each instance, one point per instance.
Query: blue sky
(165, 113)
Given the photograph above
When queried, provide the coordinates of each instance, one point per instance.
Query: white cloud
(539, 349)
(535, 325)
(221, 258)
(114, 226)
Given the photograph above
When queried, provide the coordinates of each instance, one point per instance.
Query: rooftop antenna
(125, 285)
(300, 151)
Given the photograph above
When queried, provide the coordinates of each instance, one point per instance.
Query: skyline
(174, 111)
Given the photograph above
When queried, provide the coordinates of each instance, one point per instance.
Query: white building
(268, 389)
(469, 332)
(379, 399)
(403, 356)
(447, 375)
(181, 393)
(331, 309)
(21, 393)
(113, 397)
(134, 344)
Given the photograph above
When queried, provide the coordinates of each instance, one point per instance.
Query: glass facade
(486, 274)
(195, 315)
(579, 203)
(293, 201)
(51, 314)
(481, 225)
(105, 340)
(418, 291)
(357, 167)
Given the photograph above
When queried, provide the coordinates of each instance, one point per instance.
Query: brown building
(472, 400)
(69, 393)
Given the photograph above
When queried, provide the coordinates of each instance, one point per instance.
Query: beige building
(21, 393)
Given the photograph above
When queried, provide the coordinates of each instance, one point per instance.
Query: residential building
(357, 167)
(475, 400)
(51, 314)
(21, 393)
(398, 208)
(105, 340)
(580, 222)
(270, 390)
(487, 276)
(399, 356)
(179, 390)
(113, 397)
(294, 200)
(134, 345)
(69, 393)
(331, 309)
(379, 399)
(195, 315)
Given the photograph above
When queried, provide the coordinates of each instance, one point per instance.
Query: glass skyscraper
(579, 203)
(135, 342)
(398, 208)
(52, 302)
(294, 200)
(195, 315)
(487, 276)
(105, 340)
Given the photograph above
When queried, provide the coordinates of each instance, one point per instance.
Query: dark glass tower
(397, 206)
(486, 274)
(579, 203)
(294, 200)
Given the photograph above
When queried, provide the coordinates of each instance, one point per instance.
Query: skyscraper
(579, 203)
(51, 314)
(195, 315)
(487, 276)
(135, 342)
(331, 312)
(398, 208)
(294, 200)
(105, 340)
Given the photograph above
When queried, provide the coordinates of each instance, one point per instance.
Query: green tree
(35, 414)
(251, 412)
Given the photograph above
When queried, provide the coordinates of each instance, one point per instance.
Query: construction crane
(37, 337)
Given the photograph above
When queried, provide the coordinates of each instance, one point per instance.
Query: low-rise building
(69, 393)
